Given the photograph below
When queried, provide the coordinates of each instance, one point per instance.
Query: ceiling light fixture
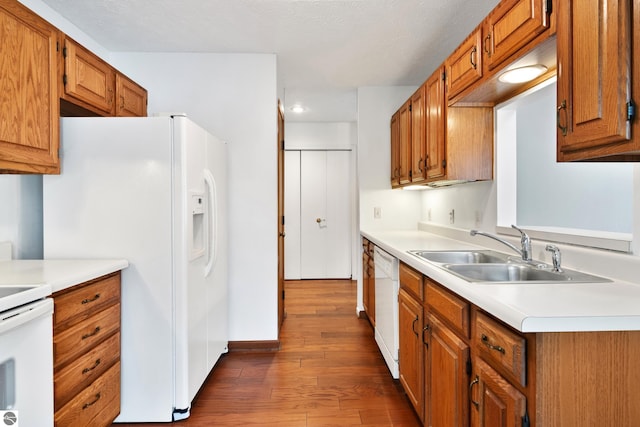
(297, 108)
(522, 74)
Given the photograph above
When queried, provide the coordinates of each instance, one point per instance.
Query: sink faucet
(525, 242)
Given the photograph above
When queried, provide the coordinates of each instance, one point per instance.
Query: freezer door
(200, 259)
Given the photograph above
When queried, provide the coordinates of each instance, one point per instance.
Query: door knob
(318, 220)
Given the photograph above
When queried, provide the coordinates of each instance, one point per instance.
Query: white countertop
(58, 274)
(539, 307)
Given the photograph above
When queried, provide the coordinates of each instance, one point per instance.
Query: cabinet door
(496, 403)
(88, 79)
(404, 120)
(131, 98)
(435, 124)
(410, 355)
(594, 78)
(464, 66)
(446, 377)
(29, 130)
(368, 283)
(510, 26)
(395, 150)
(418, 142)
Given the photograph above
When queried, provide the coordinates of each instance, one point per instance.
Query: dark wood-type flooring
(328, 372)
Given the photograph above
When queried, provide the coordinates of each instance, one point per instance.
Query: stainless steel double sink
(487, 266)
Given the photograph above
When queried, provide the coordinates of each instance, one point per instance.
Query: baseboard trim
(237, 346)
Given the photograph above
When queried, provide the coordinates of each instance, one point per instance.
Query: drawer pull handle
(88, 300)
(485, 341)
(95, 365)
(475, 381)
(93, 402)
(90, 334)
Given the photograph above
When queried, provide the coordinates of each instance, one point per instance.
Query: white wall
(234, 97)
(400, 210)
(21, 214)
(66, 27)
(320, 136)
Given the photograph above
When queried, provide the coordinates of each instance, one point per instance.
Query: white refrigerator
(152, 191)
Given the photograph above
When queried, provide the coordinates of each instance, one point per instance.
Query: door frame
(281, 219)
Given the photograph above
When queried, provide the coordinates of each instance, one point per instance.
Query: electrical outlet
(478, 218)
(452, 216)
(377, 213)
(429, 215)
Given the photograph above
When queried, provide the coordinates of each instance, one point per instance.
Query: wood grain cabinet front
(87, 80)
(598, 46)
(86, 353)
(395, 150)
(464, 65)
(131, 98)
(368, 281)
(29, 129)
(410, 354)
(510, 26)
(495, 402)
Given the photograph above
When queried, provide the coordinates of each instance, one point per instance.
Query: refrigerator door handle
(212, 222)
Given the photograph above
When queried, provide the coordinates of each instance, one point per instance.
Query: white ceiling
(325, 48)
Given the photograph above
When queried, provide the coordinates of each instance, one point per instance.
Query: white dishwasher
(386, 288)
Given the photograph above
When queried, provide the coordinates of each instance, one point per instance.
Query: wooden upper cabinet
(404, 120)
(131, 98)
(29, 129)
(418, 137)
(464, 65)
(595, 81)
(510, 26)
(87, 79)
(435, 124)
(395, 150)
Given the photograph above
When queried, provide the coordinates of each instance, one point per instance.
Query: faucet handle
(525, 241)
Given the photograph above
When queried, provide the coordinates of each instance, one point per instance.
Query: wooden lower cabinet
(446, 377)
(368, 281)
(410, 355)
(460, 367)
(496, 403)
(86, 353)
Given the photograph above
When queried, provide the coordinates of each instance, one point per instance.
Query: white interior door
(325, 215)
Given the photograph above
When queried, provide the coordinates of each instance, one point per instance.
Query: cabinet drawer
(81, 302)
(448, 306)
(97, 405)
(83, 371)
(501, 346)
(80, 338)
(411, 280)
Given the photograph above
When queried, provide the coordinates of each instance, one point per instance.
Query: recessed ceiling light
(522, 74)
(297, 108)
